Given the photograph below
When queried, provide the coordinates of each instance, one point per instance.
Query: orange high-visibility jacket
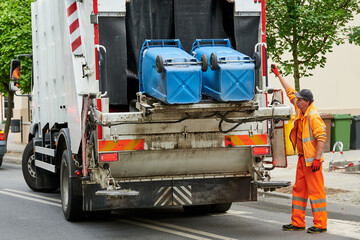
(313, 129)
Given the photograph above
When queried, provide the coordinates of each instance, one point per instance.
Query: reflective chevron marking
(241, 140)
(74, 26)
(182, 195)
(165, 196)
(121, 145)
(173, 196)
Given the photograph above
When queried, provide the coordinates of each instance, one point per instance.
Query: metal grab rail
(188, 61)
(341, 146)
(210, 42)
(149, 43)
(342, 164)
(246, 60)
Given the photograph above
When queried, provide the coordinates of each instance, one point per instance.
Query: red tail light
(2, 136)
(261, 151)
(108, 157)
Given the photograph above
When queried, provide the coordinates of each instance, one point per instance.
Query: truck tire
(28, 166)
(197, 209)
(71, 204)
(220, 207)
(1, 160)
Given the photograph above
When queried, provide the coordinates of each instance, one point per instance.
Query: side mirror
(15, 69)
(14, 74)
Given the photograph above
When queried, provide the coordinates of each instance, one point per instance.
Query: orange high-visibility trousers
(308, 184)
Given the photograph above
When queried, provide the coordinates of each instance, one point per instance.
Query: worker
(308, 135)
(16, 73)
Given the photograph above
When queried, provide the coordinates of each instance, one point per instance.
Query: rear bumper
(173, 193)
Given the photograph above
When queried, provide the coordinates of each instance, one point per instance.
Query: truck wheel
(71, 204)
(197, 209)
(28, 166)
(213, 61)
(220, 207)
(1, 160)
(204, 63)
(159, 64)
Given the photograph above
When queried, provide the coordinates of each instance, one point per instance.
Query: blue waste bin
(231, 76)
(168, 73)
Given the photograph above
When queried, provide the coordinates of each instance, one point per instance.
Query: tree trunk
(296, 63)
(9, 114)
(296, 76)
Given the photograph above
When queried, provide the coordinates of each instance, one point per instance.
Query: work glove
(316, 165)
(275, 70)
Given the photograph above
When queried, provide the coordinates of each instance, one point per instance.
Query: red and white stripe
(74, 27)
(355, 163)
(263, 36)
(96, 42)
(96, 38)
(352, 164)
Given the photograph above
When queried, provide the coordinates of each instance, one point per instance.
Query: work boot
(291, 227)
(314, 229)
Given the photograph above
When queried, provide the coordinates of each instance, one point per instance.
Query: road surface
(30, 215)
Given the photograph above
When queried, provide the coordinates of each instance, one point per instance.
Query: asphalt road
(29, 215)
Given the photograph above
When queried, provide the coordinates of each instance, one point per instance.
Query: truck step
(271, 184)
(117, 193)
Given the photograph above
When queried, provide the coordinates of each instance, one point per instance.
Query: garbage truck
(114, 124)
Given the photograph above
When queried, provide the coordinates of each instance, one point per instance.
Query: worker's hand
(275, 70)
(316, 165)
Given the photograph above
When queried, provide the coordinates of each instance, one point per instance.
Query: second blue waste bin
(231, 76)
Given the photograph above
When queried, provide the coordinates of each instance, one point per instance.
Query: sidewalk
(340, 186)
(14, 150)
(14, 147)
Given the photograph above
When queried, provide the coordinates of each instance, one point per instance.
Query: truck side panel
(60, 76)
(48, 65)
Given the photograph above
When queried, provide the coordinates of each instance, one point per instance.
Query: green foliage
(15, 39)
(308, 30)
(354, 35)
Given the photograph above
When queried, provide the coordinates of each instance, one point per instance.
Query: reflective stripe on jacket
(314, 129)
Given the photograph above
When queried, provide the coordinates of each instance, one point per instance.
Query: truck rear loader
(109, 143)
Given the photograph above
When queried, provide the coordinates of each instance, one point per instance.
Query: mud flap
(278, 145)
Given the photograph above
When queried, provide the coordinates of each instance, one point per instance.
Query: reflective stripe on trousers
(308, 184)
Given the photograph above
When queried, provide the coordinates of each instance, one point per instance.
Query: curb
(289, 196)
(13, 157)
(9, 159)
